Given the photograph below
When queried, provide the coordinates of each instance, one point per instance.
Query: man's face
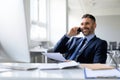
(87, 26)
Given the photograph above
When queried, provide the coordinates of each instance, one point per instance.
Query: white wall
(108, 27)
(57, 18)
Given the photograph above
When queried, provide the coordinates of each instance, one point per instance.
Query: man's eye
(87, 23)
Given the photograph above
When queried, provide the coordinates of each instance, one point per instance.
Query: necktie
(83, 43)
(78, 49)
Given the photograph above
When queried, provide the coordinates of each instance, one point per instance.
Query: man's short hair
(89, 16)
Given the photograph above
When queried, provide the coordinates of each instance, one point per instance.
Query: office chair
(112, 59)
(113, 45)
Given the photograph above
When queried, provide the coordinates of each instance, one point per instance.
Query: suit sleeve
(62, 45)
(101, 53)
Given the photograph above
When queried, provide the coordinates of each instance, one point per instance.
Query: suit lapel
(88, 44)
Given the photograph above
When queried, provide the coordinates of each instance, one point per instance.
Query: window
(38, 20)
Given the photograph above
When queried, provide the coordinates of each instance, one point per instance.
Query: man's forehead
(85, 20)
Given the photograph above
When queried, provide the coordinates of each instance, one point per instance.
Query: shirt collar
(89, 37)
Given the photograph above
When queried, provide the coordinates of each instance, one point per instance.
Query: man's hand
(73, 32)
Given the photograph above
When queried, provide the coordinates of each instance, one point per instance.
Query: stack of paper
(62, 65)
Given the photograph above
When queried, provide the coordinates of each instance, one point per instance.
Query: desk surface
(63, 74)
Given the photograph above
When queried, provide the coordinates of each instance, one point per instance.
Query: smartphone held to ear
(78, 31)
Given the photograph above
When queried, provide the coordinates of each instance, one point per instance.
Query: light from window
(38, 20)
(42, 11)
(38, 33)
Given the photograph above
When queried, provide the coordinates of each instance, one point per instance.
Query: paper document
(111, 73)
(62, 65)
(55, 56)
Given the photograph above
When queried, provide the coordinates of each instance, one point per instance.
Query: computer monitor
(13, 33)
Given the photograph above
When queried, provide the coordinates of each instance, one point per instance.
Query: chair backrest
(113, 45)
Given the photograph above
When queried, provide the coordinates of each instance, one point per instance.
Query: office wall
(57, 20)
(108, 27)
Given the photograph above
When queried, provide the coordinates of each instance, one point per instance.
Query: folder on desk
(97, 66)
(102, 74)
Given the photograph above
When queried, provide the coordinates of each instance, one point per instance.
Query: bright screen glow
(13, 35)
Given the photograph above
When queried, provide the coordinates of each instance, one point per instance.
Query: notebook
(102, 74)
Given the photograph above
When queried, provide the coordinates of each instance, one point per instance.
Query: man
(94, 50)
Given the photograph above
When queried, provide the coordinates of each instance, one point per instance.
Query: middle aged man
(87, 49)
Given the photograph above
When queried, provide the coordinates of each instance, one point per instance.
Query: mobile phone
(78, 31)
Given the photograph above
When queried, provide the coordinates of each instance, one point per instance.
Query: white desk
(64, 74)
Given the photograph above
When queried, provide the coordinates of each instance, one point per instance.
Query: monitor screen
(13, 33)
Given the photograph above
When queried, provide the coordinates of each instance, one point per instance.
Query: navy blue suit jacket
(94, 52)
